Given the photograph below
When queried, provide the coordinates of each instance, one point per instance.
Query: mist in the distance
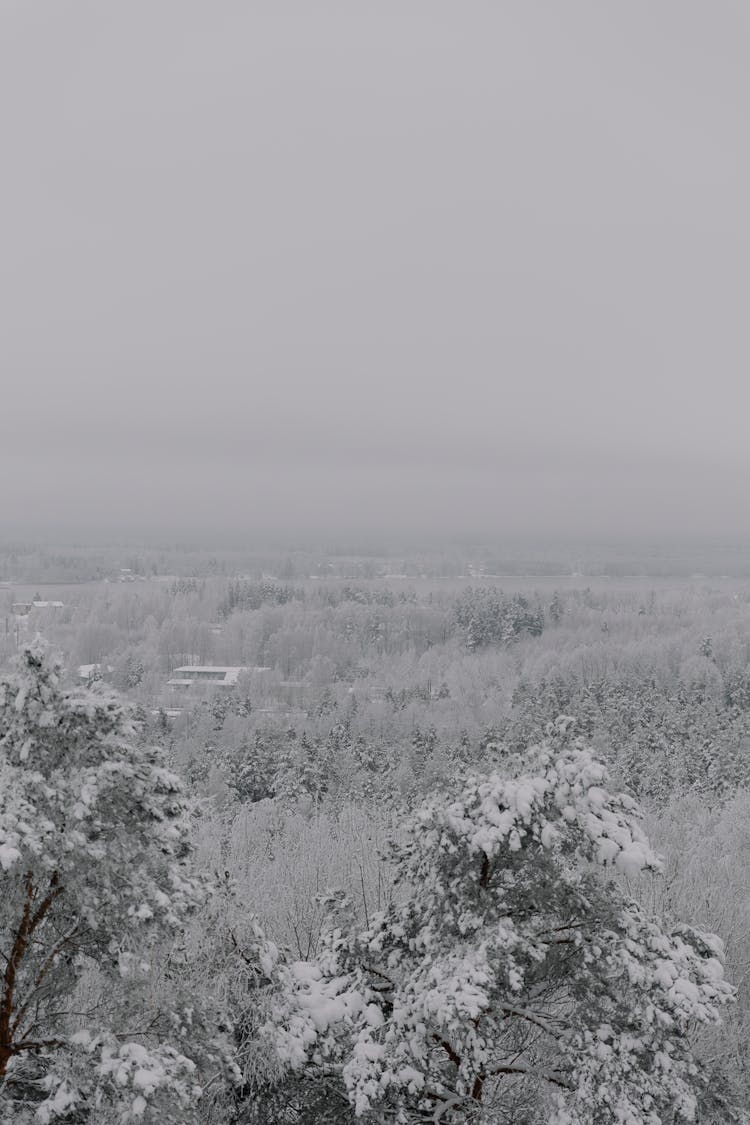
(403, 269)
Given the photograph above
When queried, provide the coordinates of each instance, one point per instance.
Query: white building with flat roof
(214, 675)
(21, 609)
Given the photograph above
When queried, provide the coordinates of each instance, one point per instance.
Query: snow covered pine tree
(93, 851)
(513, 980)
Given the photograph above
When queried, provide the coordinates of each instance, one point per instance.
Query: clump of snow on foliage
(95, 857)
(126, 1075)
(514, 961)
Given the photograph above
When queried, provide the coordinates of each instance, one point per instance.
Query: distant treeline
(26, 562)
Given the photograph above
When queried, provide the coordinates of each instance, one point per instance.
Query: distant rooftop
(203, 669)
(225, 675)
(22, 608)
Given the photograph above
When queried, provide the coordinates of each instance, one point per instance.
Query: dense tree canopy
(368, 703)
(514, 980)
(95, 878)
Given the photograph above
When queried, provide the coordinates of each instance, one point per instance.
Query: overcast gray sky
(405, 264)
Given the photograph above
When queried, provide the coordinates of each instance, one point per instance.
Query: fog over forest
(374, 566)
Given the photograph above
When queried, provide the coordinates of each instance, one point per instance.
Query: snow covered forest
(374, 563)
(447, 847)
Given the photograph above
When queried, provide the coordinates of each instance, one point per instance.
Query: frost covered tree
(514, 979)
(94, 878)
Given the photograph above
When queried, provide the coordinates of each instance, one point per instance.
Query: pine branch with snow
(95, 878)
(514, 979)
